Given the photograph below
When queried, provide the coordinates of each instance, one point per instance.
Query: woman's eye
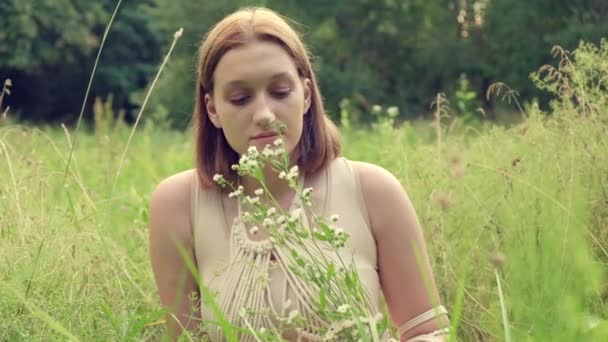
(282, 93)
(240, 100)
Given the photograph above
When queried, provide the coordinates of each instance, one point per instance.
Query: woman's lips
(265, 138)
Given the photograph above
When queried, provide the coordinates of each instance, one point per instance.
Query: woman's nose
(263, 115)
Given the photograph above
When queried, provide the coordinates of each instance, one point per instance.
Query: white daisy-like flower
(281, 219)
(343, 308)
(251, 163)
(392, 111)
(278, 142)
(376, 108)
(334, 218)
(307, 192)
(217, 177)
(297, 212)
(267, 223)
(339, 231)
(267, 152)
(252, 150)
(253, 230)
(271, 211)
(259, 192)
(282, 175)
(292, 315)
(294, 169)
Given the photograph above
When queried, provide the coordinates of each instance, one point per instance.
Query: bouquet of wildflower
(312, 244)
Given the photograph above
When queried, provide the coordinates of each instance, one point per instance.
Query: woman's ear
(211, 111)
(307, 94)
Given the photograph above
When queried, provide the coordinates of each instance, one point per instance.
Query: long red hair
(320, 141)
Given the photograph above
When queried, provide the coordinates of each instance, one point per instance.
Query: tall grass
(525, 207)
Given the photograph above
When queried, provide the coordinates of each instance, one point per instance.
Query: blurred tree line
(390, 52)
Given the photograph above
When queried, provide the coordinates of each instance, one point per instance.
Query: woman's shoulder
(170, 202)
(176, 186)
(383, 194)
(375, 178)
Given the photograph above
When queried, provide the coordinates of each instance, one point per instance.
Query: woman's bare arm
(405, 272)
(169, 227)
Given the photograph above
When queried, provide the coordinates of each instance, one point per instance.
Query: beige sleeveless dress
(253, 276)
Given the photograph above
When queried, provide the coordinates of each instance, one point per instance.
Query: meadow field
(515, 217)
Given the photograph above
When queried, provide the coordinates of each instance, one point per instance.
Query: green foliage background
(526, 204)
(390, 52)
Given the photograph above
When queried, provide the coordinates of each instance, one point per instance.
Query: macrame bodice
(251, 279)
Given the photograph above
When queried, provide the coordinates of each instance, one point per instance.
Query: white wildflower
(392, 111)
(252, 150)
(307, 192)
(237, 192)
(294, 169)
(267, 152)
(297, 212)
(217, 177)
(251, 163)
(278, 142)
(271, 211)
(267, 223)
(376, 108)
(259, 192)
(334, 218)
(281, 219)
(262, 330)
(339, 231)
(253, 230)
(282, 175)
(343, 308)
(292, 315)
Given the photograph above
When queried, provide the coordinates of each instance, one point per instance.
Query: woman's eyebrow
(282, 74)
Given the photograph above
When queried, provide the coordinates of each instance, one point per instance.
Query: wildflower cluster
(341, 298)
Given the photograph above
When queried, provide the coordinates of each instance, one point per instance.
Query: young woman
(254, 71)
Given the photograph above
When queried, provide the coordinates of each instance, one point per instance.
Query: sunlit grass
(525, 206)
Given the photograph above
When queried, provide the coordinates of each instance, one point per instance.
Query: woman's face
(255, 85)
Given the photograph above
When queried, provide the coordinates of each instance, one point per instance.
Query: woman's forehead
(256, 62)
